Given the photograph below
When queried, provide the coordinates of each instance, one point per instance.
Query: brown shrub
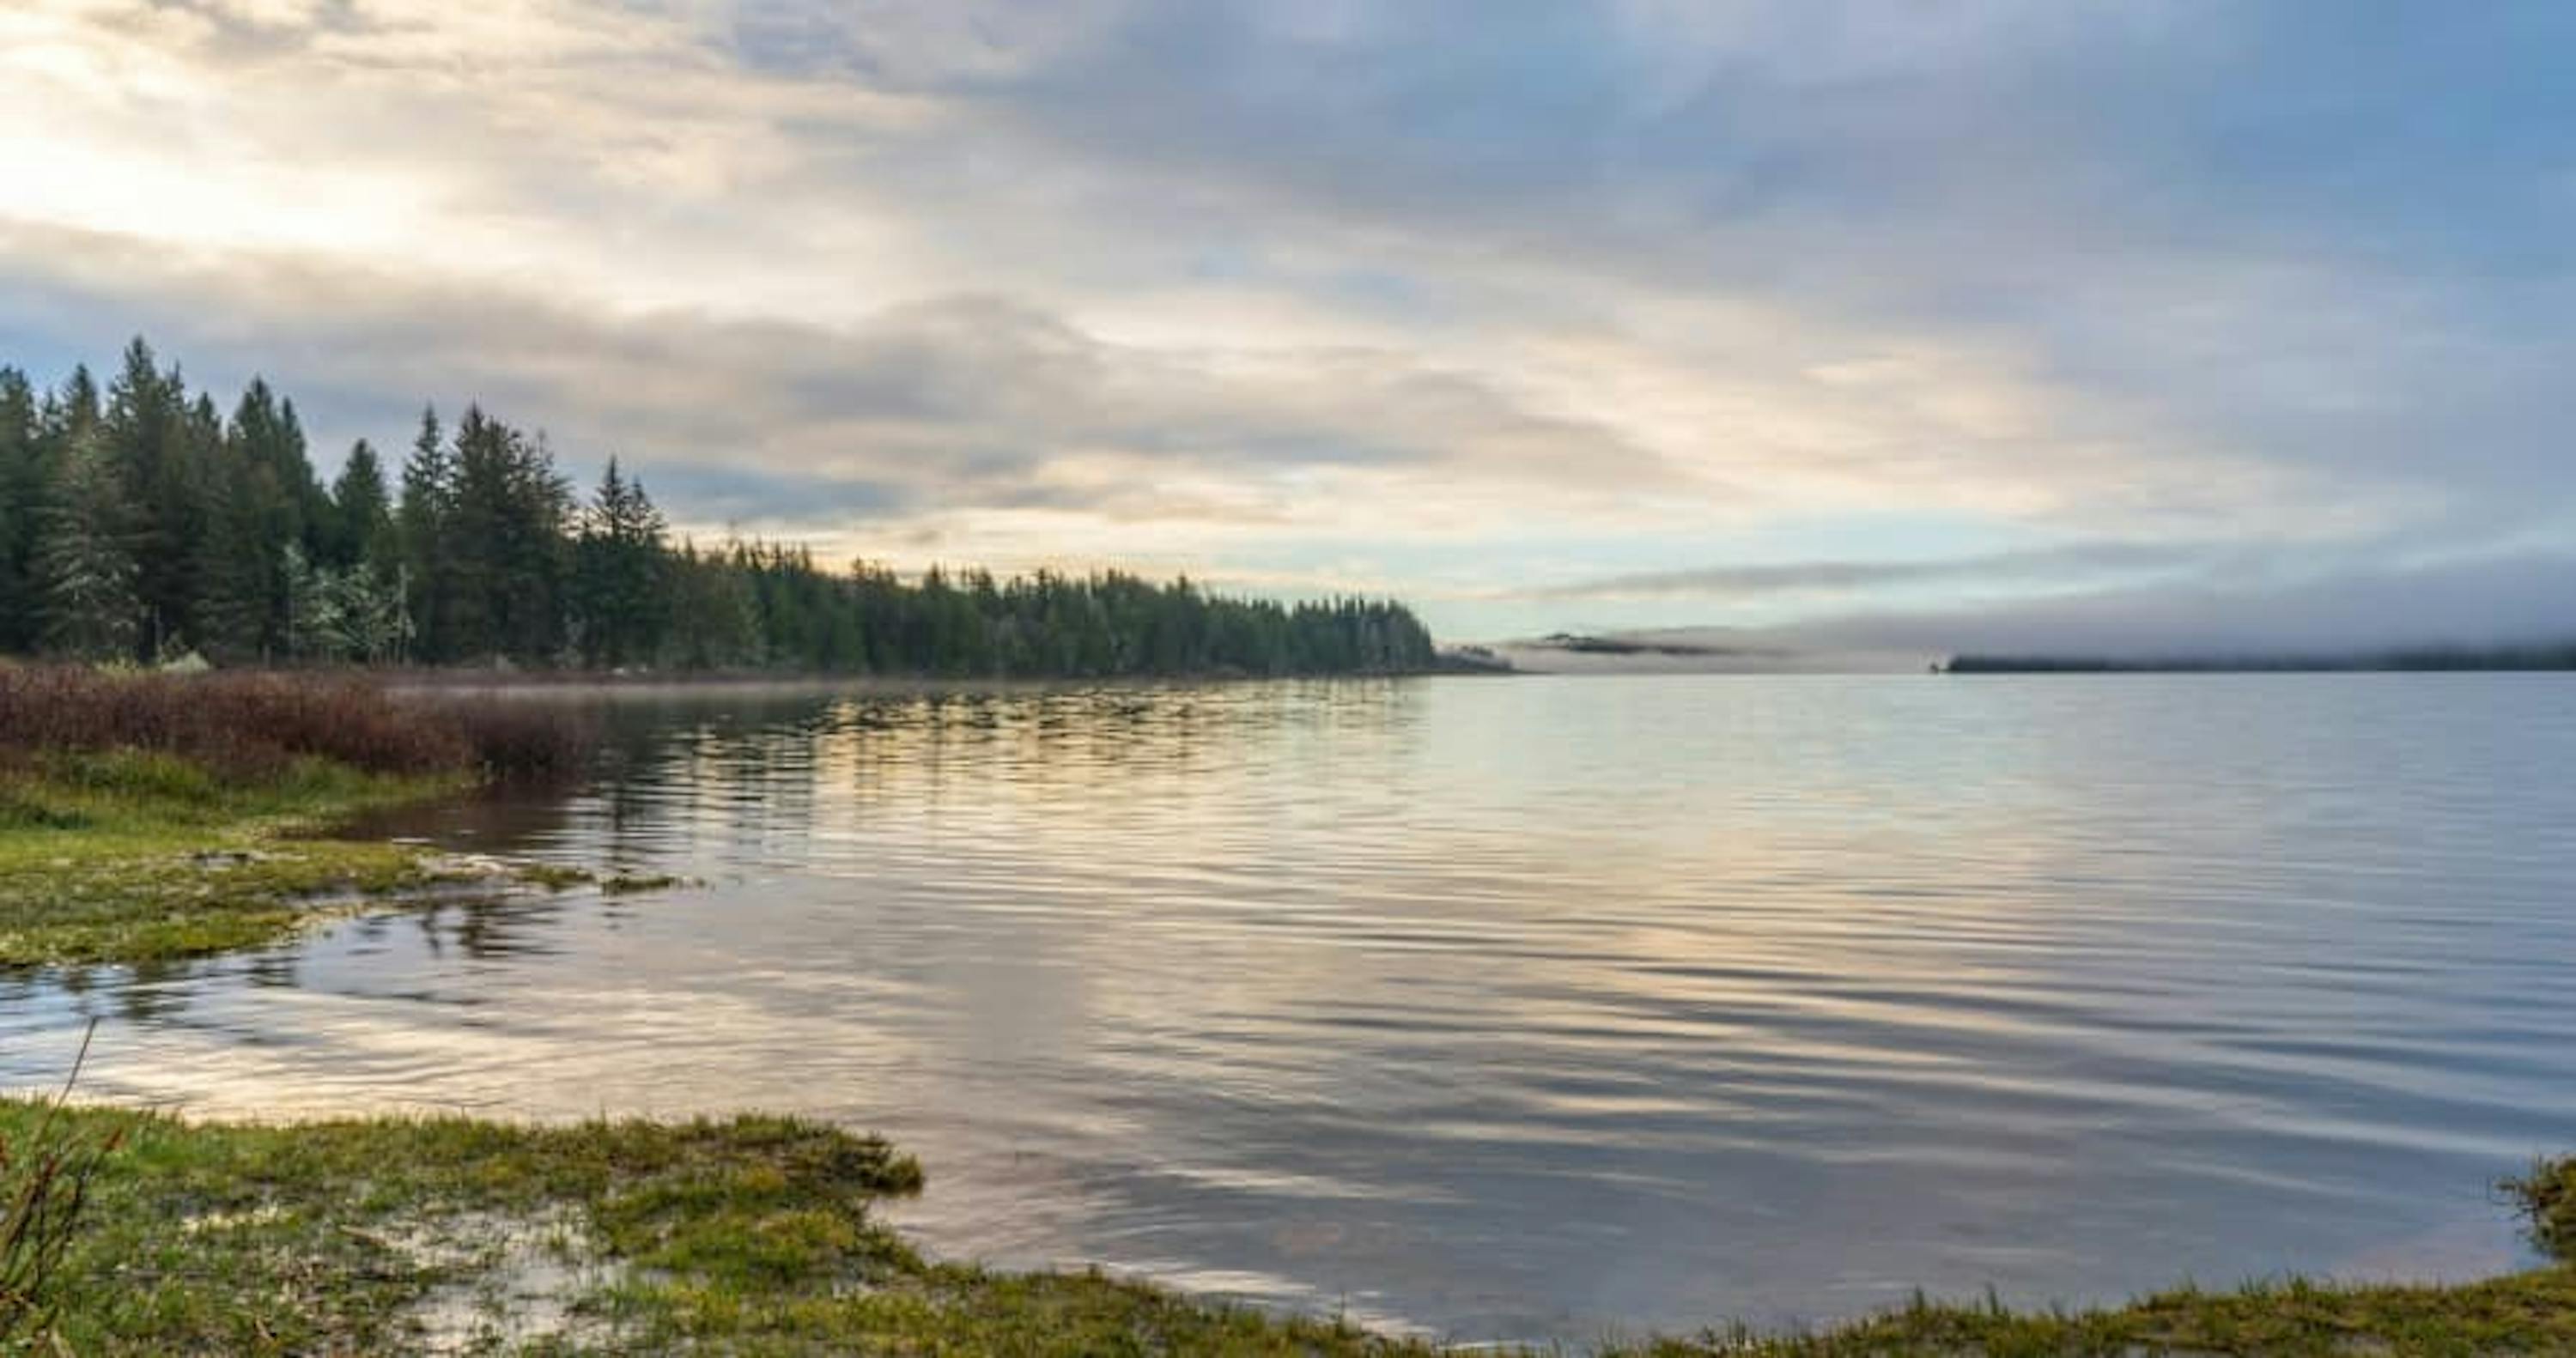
(251, 724)
(516, 738)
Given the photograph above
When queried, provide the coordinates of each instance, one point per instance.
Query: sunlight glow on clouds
(1548, 316)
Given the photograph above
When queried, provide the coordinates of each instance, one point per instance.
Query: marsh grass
(131, 856)
(45, 1174)
(145, 817)
(754, 1235)
(2545, 1199)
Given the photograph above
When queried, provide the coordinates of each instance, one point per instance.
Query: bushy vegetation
(140, 523)
(2546, 1197)
(258, 725)
(243, 724)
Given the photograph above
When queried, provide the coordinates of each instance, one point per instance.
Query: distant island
(2549, 656)
(1580, 644)
(139, 524)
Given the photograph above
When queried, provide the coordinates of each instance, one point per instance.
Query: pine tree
(361, 511)
(144, 433)
(22, 492)
(72, 412)
(422, 521)
(238, 586)
(621, 589)
(84, 571)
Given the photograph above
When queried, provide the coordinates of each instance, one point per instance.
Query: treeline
(140, 523)
(2553, 656)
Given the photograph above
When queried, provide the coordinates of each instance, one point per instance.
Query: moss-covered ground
(125, 857)
(754, 1236)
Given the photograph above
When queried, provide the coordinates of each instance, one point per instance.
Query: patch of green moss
(754, 1235)
(128, 857)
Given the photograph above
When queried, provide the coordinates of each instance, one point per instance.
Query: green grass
(2526, 1313)
(129, 857)
(754, 1235)
(750, 1235)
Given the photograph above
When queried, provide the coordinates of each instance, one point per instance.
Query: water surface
(1520, 1008)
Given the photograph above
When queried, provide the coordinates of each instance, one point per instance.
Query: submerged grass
(753, 1235)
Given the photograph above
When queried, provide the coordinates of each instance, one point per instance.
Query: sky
(1937, 323)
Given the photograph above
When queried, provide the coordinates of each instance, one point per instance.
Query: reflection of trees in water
(161, 992)
(683, 773)
(1044, 743)
(144, 992)
(151, 991)
(688, 782)
(273, 968)
(511, 818)
(490, 928)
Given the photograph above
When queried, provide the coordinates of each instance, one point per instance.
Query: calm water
(1523, 1008)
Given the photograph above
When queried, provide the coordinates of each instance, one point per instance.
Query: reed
(44, 1185)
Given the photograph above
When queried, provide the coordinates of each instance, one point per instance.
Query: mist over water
(1518, 1008)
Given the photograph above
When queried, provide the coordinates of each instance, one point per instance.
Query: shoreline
(759, 1233)
(408, 1234)
(480, 685)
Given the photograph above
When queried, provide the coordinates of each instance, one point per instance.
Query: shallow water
(1521, 1008)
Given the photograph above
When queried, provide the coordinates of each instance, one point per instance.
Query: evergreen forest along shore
(140, 522)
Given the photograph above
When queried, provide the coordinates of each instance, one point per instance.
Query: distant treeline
(1580, 644)
(142, 524)
(2556, 656)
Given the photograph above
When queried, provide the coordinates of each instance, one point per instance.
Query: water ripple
(1519, 1009)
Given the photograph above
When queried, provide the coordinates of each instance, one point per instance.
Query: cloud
(956, 403)
(1523, 308)
(2048, 565)
(2517, 597)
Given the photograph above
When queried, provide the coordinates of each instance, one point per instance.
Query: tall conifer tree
(84, 569)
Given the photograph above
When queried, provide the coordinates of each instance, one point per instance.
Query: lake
(1518, 1008)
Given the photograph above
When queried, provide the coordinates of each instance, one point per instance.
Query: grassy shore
(129, 857)
(145, 818)
(754, 1236)
(746, 1235)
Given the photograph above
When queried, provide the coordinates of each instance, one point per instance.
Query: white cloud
(1211, 283)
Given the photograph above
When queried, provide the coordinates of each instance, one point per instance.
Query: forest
(2527, 656)
(141, 524)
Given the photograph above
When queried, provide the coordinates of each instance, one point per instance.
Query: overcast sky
(1905, 319)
